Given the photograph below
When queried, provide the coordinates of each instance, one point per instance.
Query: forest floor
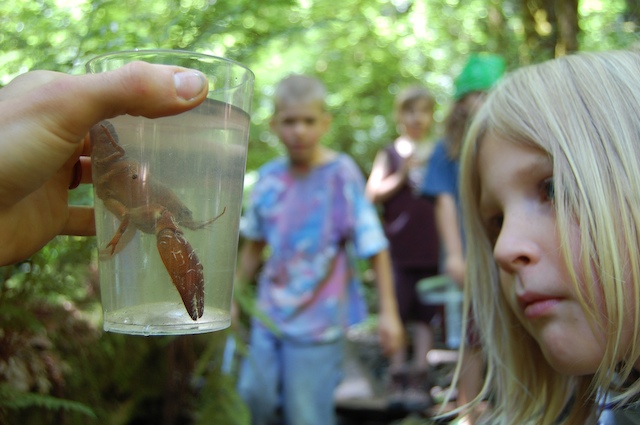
(361, 398)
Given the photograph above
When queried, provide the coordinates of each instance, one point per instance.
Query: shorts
(410, 306)
(298, 379)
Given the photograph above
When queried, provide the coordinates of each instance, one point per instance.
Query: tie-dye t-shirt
(312, 224)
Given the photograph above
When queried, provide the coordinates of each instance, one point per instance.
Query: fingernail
(189, 84)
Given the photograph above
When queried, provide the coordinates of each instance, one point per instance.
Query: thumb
(144, 89)
(138, 88)
(45, 115)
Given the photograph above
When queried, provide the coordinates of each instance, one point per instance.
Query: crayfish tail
(185, 269)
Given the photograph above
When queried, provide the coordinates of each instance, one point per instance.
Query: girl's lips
(540, 308)
(535, 306)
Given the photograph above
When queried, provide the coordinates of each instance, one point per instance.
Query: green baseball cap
(480, 73)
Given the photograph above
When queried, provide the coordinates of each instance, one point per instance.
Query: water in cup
(195, 160)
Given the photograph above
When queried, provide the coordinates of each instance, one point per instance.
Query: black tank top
(409, 224)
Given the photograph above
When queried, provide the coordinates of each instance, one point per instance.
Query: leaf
(14, 399)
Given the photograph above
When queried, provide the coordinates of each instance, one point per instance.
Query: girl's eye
(548, 189)
(493, 226)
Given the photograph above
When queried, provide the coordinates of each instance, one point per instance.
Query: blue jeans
(298, 377)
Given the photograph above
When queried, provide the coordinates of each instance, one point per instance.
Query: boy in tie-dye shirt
(310, 211)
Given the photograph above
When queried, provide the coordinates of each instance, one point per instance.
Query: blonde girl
(550, 188)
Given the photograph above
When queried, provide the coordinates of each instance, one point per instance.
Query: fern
(11, 398)
(19, 317)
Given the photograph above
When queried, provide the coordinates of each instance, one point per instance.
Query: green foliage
(604, 25)
(365, 50)
(55, 361)
(52, 352)
(218, 401)
(10, 398)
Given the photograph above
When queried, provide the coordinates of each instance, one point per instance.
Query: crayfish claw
(183, 266)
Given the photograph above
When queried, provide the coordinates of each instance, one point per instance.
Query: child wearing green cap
(480, 73)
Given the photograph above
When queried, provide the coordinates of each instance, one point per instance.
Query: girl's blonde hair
(583, 111)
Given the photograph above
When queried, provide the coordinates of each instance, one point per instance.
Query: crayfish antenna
(199, 225)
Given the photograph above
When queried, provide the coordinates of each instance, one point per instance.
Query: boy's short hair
(299, 89)
(406, 98)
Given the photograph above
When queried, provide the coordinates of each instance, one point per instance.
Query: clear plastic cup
(168, 197)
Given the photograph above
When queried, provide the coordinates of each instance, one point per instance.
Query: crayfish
(143, 203)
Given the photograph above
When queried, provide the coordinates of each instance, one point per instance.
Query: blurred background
(56, 364)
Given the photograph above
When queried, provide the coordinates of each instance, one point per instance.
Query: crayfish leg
(122, 237)
(184, 267)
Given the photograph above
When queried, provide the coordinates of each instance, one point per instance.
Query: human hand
(407, 164)
(45, 118)
(390, 333)
(454, 267)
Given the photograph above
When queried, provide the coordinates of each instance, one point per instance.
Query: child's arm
(381, 184)
(249, 261)
(446, 216)
(390, 327)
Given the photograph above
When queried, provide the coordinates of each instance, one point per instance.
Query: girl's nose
(516, 246)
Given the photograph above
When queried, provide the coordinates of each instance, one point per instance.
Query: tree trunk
(632, 12)
(567, 21)
(551, 27)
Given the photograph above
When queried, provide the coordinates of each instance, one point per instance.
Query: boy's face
(416, 119)
(300, 126)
